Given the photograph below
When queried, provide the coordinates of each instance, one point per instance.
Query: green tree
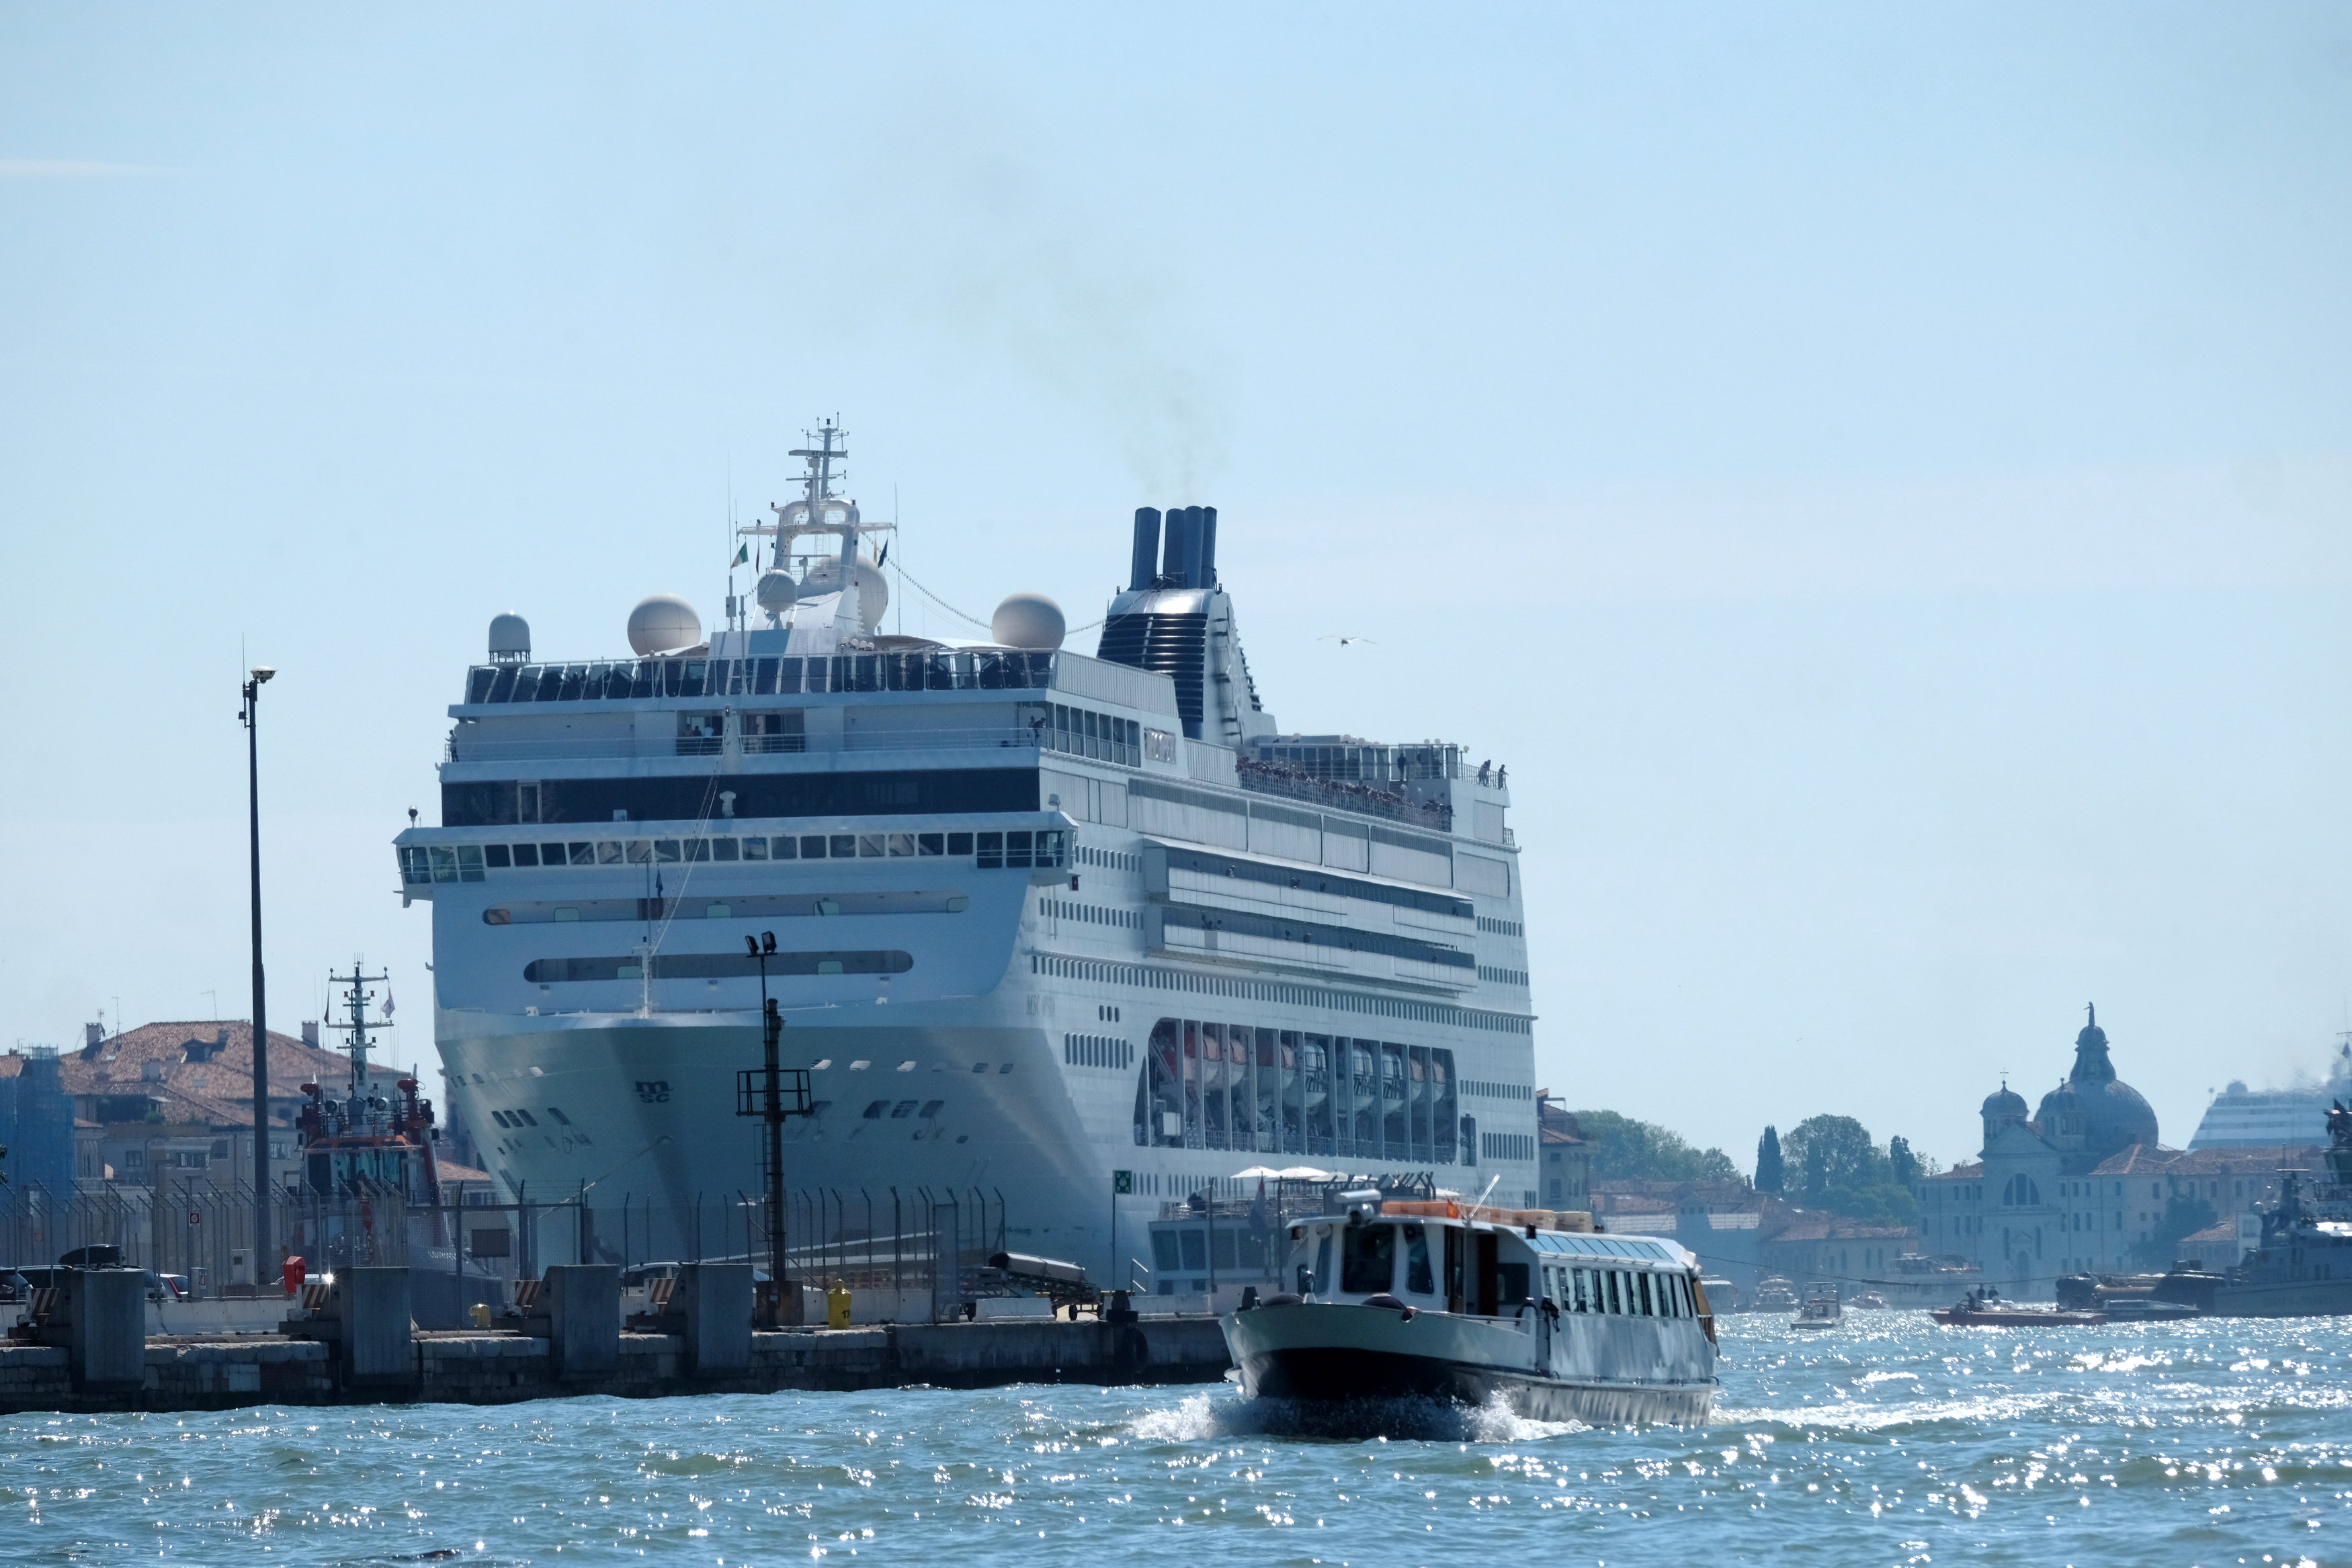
(1626, 1150)
(1906, 1163)
(1847, 1174)
(1768, 1170)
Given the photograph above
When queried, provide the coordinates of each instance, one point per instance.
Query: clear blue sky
(1878, 474)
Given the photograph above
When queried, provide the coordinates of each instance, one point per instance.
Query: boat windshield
(1368, 1263)
(1419, 1278)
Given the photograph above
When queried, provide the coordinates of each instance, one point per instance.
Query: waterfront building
(2083, 1185)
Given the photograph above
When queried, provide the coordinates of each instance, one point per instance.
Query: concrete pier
(499, 1368)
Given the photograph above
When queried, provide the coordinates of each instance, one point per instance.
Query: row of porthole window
(1503, 976)
(1493, 1090)
(1012, 849)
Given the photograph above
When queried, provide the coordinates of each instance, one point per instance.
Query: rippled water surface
(1892, 1441)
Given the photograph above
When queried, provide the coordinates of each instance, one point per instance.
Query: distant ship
(2240, 1118)
(2304, 1266)
(1087, 932)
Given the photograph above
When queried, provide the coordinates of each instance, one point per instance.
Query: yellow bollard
(482, 1314)
(837, 1306)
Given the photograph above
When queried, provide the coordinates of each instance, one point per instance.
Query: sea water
(1891, 1440)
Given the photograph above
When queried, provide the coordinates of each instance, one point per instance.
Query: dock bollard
(716, 1300)
(371, 1307)
(582, 1306)
(837, 1300)
(105, 1313)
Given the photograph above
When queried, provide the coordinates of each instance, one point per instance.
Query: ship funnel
(1183, 547)
(1147, 547)
(1205, 551)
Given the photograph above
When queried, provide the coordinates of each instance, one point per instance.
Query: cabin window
(1616, 1304)
(1579, 1298)
(1513, 1278)
(1320, 1277)
(1419, 1278)
(1642, 1288)
(1367, 1265)
(1196, 1250)
(1164, 1252)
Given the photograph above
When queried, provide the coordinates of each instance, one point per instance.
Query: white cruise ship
(1041, 916)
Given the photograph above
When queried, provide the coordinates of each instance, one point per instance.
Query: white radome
(662, 622)
(776, 591)
(1028, 620)
(509, 637)
(872, 587)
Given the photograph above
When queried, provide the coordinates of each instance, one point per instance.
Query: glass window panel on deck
(478, 682)
(643, 680)
(1214, 1086)
(575, 681)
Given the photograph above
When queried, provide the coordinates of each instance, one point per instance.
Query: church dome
(2106, 1114)
(2006, 1106)
(2001, 1110)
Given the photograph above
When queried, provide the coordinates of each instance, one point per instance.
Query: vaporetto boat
(1041, 916)
(1436, 1299)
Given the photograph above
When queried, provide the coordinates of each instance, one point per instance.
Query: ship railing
(1342, 795)
(464, 746)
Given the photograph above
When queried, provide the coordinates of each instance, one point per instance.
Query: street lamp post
(248, 716)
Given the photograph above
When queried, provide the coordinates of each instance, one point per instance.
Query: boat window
(1616, 1302)
(1163, 1251)
(526, 854)
(1513, 1280)
(1649, 1308)
(582, 853)
(1196, 1249)
(1419, 1278)
(1368, 1264)
(1322, 1280)
(930, 843)
(495, 856)
(844, 846)
(869, 846)
(469, 862)
(755, 849)
(608, 852)
(723, 849)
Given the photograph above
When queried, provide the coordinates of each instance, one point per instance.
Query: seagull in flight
(1343, 642)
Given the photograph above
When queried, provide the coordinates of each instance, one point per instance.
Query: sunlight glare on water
(1891, 1441)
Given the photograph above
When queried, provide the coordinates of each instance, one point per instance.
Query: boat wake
(1207, 1418)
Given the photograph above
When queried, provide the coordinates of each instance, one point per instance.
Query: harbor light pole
(248, 717)
(772, 1092)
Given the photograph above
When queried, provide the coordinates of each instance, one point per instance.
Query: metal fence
(931, 1242)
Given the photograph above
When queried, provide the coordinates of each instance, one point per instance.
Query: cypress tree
(1768, 1162)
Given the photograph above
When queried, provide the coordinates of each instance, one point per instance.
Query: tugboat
(2304, 1266)
(1449, 1299)
(366, 1156)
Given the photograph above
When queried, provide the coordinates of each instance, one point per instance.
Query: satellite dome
(872, 587)
(1028, 620)
(775, 591)
(510, 639)
(662, 622)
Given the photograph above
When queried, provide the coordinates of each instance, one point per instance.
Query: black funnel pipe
(1146, 547)
(1182, 546)
(1204, 574)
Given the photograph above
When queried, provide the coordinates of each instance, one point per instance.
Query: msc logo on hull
(653, 1093)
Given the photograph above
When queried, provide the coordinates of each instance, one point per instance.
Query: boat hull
(1332, 1352)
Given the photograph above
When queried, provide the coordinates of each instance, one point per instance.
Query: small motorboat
(1870, 1301)
(1985, 1309)
(1774, 1294)
(1821, 1308)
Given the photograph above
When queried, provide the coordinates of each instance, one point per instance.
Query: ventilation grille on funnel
(1171, 645)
